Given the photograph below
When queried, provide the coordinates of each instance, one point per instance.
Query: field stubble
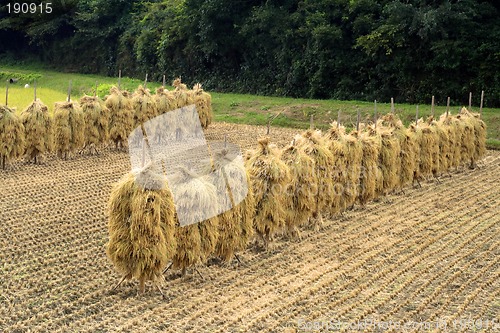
(430, 254)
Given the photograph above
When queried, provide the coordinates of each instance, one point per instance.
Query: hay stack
(69, 128)
(269, 177)
(354, 154)
(38, 126)
(389, 159)
(370, 179)
(337, 144)
(203, 102)
(12, 139)
(121, 121)
(408, 148)
(141, 226)
(302, 188)
(316, 147)
(181, 94)
(429, 149)
(479, 130)
(196, 241)
(236, 227)
(96, 118)
(144, 106)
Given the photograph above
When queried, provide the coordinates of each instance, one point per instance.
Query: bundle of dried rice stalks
(12, 139)
(370, 179)
(442, 160)
(141, 226)
(354, 154)
(408, 147)
(96, 118)
(196, 241)
(429, 149)
(69, 128)
(181, 94)
(165, 100)
(236, 227)
(447, 123)
(479, 135)
(301, 190)
(389, 158)
(39, 130)
(203, 102)
(144, 106)
(335, 138)
(121, 121)
(269, 177)
(315, 146)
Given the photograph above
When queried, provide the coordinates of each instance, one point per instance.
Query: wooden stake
(95, 91)
(7, 95)
(34, 83)
(164, 80)
(416, 116)
(470, 101)
(268, 125)
(392, 105)
(338, 119)
(481, 105)
(311, 122)
(375, 114)
(146, 80)
(119, 79)
(432, 106)
(357, 122)
(448, 106)
(69, 92)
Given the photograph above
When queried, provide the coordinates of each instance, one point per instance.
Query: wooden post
(357, 122)
(481, 105)
(311, 122)
(416, 116)
(146, 80)
(119, 79)
(448, 106)
(69, 91)
(34, 84)
(375, 114)
(338, 119)
(470, 101)
(164, 80)
(392, 105)
(7, 95)
(95, 91)
(268, 125)
(432, 107)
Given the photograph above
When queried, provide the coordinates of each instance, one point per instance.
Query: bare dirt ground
(430, 255)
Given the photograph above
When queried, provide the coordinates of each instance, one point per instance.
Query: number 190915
(29, 8)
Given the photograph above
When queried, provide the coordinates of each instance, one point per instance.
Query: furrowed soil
(430, 255)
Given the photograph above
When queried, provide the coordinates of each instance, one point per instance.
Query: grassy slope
(248, 109)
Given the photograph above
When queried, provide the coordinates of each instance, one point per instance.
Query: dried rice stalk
(301, 190)
(122, 118)
(39, 128)
(12, 138)
(371, 176)
(354, 155)
(446, 123)
(429, 149)
(141, 226)
(389, 159)
(144, 106)
(337, 144)
(165, 100)
(203, 103)
(69, 128)
(96, 117)
(195, 242)
(269, 177)
(479, 135)
(180, 93)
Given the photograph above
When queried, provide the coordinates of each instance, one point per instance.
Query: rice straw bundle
(12, 139)
(338, 146)
(141, 226)
(203, 102)
(96, 118)
(429, 149)
(69, 128)
(479, 135)
(447, 124)
(416, 132)
(354, 154)
(165, 100)
(370, 179)
(444, 153)
(180, 93)
(315, 145)
(122, 118)
(301, 190)
(196, 241)
(39, 127)
(236, 227)
(389, 159)
(144, 106)
(468, 140)
(269, 177)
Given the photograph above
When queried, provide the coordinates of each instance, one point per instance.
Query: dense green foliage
(357, 49)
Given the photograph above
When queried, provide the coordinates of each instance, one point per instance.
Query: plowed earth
(429, 255)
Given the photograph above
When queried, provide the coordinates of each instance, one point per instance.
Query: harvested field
(429, 254)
